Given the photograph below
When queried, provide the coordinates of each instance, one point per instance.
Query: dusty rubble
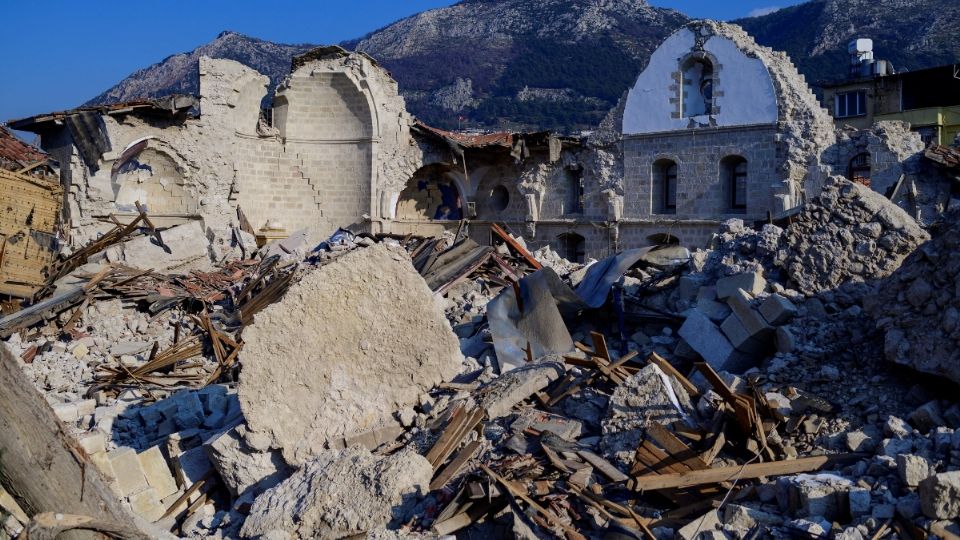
(749, 390)
(847, 233)
(917, 306)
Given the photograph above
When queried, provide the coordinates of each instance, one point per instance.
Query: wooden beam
(503, 235)
(742, 472)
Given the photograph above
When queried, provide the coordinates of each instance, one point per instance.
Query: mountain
(520, 63)
(178, 74)
(912, 34)
(562, 64)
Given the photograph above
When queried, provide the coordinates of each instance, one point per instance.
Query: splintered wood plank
(600, 345)
(605, 467)
(523, 253)
(667, 368)
(733, 473)
(455, 465)
(675, 447)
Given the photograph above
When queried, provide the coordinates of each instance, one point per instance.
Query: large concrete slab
(349, 344)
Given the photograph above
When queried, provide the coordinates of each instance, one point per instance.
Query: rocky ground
(350, 410)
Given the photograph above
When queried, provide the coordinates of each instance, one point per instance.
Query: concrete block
(697, 526)
(191, 466)
(146, 504)
(189, 409)
(912, 469)
(777, 310)
(751, 282)
(713, 309)
(784, 340)
(740, 338)
(93, 442)
(752, 321)
(127, 470)
(157, 471)
(704, 337)
(66, 412)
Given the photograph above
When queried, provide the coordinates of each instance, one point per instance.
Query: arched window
(860, 169)
(733, 170)
(572, 247)
(697, 87)
(665, 187)
(663, 239)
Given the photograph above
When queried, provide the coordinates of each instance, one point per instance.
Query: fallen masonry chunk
(704, 337)
(820, 249)
(349, 344)
(777, 310)
(751, 282)
(940, 495)
(813, 494)
(518, 384)
(340, 493)
(157, 472)
(186, 248)
(913, 469)
(242, 467)
(649, 396)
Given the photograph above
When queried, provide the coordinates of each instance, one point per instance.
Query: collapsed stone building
(409, 382)
(715, 127)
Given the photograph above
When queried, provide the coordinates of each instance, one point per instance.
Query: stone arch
(152, 173)
(431, 194)
(859, 170)
(572, 246)
(698, 71)
(324, 106)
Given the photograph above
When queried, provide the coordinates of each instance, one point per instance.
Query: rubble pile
(918, 306)
(847, 233)
(356, 389)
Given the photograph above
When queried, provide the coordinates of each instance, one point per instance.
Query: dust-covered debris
(848, 232)
(351, 342)
(340, 493)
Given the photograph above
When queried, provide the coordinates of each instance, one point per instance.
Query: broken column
(349, 344)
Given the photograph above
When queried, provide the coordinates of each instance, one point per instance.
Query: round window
(499, 198)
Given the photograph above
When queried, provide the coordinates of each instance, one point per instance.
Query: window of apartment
(860, 169)
(665, 187)
(734, 172)
(849, 104)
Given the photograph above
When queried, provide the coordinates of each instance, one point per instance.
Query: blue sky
(56, 54)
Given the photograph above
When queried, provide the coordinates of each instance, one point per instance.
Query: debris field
(795, 380)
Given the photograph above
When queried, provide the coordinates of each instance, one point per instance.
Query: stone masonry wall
(701, 189)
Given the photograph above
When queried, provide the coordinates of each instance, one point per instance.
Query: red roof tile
(16, 154)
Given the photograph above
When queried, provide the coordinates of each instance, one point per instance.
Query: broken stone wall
(752, 86)
(178, 169)
(894, 153)
(340, 142)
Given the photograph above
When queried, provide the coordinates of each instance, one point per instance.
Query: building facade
(715, 127)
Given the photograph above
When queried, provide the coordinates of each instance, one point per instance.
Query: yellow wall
(946, 118)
